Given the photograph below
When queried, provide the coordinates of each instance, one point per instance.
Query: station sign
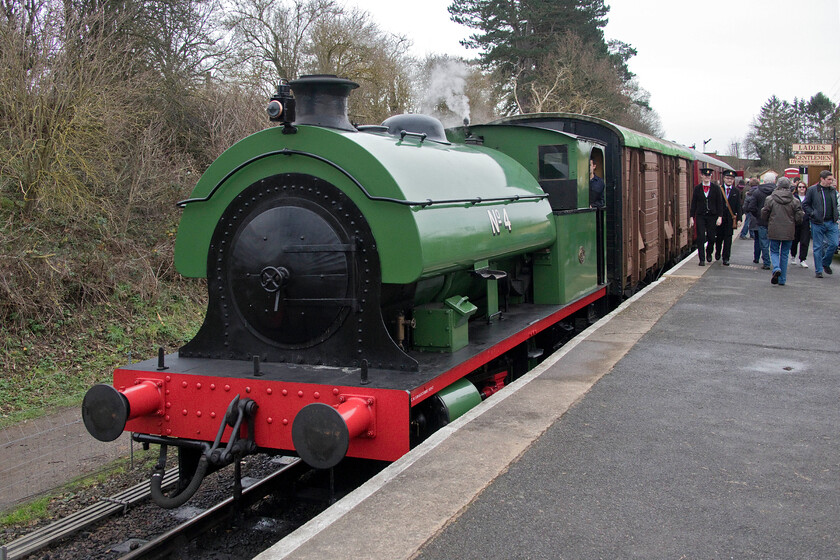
(812, 148)
(812, 159)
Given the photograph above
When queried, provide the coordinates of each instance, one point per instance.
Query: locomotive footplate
(484, 340)
(195, 392)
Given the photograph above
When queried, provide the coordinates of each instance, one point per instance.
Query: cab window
(554, 162)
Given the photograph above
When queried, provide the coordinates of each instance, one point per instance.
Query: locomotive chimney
(321, 100)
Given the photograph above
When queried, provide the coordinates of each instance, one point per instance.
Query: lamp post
(704, 144)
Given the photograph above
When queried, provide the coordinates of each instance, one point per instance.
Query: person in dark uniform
(706, 211)
(596, 187)
(731, 217)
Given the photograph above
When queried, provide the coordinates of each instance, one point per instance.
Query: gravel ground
(260, 527)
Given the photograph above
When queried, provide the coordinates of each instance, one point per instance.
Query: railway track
(71, 524)
(167, 542)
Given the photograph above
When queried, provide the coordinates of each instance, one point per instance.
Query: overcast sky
(709, 66)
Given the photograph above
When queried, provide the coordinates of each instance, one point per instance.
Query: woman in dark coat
(802, 236)
(782, 212)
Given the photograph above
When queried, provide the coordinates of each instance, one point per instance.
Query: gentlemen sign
(812, 148)
(812, 159)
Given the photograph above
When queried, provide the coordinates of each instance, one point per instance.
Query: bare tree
(271, 39)
(53, 102)
(182, 37)
(574, 79)
(230, 112)
(638, 114)
(25, 19)
(76, 157)
(350, 45)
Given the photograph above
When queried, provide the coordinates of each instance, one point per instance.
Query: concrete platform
(699, 420)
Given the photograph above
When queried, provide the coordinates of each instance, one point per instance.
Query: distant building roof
(736, 162)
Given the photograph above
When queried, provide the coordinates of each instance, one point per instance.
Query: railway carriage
(368, 285)
(648, 191)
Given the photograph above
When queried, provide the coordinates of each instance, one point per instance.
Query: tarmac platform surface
(699, 420)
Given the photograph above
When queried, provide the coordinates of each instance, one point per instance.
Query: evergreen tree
(514, 37)
(798, 120)
(780, 124)
(819, 111)
(773, 133)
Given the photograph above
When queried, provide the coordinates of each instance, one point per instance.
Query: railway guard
(731, 217)
(706, 211)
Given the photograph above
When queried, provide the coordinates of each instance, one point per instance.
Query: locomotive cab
(559, 161)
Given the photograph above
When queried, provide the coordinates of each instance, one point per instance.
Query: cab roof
(628, 137)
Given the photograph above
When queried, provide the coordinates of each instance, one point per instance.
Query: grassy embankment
(74, 307)
(48, 366)
(75, 304)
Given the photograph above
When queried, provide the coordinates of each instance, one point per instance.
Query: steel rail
(165, 544)
(105, 507)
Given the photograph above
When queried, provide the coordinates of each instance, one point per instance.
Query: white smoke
(447, 82)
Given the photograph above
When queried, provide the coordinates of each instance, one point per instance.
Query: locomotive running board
(486, 344)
